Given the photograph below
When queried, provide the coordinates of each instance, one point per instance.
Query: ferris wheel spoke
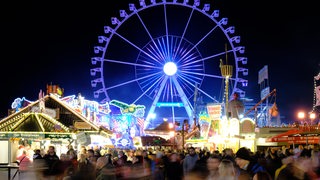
(232, 82)
(131, 81)
(191, 76)
(156, 53)
(187, 88)
(204, 59)
(148, 63)
(156, 98)
(194, 68)
(147, 82)
(183, 97)
(149, 88)
(171, 90)
(184, 32)
(190, 58)
(165, 90)
(148, 32)
(204, 74)
(192, 80)
(128, 63)
(131, 43)
(167, 33)
(201, 40)
(173, 42)
(162, 47)
(199, 89)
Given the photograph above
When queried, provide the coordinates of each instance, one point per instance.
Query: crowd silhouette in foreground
(94, 163)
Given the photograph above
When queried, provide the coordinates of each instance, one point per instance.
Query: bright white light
(153, 116)
(170, 125)
(301, 115)
(170, 68)
(312, 116)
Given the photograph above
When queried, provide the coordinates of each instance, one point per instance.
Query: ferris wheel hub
(170, 68)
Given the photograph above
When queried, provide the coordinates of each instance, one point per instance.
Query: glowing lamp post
(301, 115)
(170, 125)
(172, 133)
(311, 117)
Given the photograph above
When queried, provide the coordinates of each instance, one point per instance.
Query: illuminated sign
(128, 109)
(214, 111)
(169, 104)
(34, 135)
(58, 136)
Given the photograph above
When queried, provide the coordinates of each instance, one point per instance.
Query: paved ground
(4, 175)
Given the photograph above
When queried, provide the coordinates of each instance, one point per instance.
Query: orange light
(301, 115)
(312, 115)
(170, 125)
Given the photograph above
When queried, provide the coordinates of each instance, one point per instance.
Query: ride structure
(226, 72)
(158, 53)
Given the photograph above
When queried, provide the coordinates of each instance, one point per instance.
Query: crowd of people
(94, 163)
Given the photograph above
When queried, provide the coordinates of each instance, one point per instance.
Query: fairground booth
(71, 120)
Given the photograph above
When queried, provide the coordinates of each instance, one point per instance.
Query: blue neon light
(169, 104)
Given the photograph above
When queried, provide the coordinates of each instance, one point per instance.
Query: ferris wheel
(164, 54)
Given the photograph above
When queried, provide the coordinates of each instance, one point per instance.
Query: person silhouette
(235, 107)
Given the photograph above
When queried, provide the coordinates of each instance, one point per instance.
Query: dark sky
(47, 42)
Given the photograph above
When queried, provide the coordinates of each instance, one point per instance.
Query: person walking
(174, 168)
(247, 163)
(227, 170)
(52, 162)
(190, 161)
(24, 164)
(213, 163)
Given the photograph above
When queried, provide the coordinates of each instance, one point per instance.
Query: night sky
(52, 42)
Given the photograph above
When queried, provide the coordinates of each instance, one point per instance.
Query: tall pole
(227, 95)
(183, 137)
(226, 72)
(195, 100)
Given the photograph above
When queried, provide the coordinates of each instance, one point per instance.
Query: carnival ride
(262, 113)
(158, 53)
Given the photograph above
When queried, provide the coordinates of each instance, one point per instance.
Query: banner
(205, 123)
(263, 74)
(317, 96)
(317, 89)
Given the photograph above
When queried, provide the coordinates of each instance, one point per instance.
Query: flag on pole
(317, 89)
(317, 96)
(263, 74)
(317, 77)
(41, 101)
(140, 122)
